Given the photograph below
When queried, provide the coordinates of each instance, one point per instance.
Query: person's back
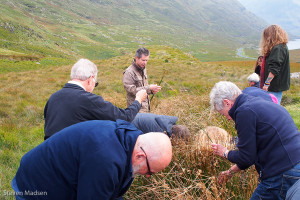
(278, 62)
(275, 71)
(149, 122)
(70, 164)
(257, 92)
(63, 108)
(72, 104)
(268, 138)
(75, 103)
(268, 128)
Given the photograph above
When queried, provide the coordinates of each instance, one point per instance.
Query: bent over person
(268, 138)
(135, 79)
(75, 102)
(91, 160)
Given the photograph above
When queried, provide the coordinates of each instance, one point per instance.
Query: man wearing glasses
(91, 160)
(75, 102)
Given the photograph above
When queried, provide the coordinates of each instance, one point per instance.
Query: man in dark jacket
(149, 122)
(268, 138)
(91, 160)
(75, 103)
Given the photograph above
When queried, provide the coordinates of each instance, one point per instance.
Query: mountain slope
(207, 29)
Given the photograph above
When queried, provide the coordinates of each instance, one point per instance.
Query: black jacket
(278, 63)
(72, 104)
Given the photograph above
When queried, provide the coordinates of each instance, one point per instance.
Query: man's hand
(155, 88)
(266, 88)
(224, 177)
(219, 149)
(141, 96)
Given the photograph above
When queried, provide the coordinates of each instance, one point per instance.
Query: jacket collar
(137, 67)
(238, 102)
(127, 135)
(75, 86)
(77, 83)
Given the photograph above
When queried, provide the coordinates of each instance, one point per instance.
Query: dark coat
(88, 160)
(257, 92)
(278, 62)
(149, 122)
(72, 104)
(268, 136)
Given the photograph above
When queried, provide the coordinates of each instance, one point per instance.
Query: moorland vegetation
(185, 93)
(40, 40)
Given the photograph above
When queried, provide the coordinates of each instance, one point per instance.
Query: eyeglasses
(149, 171)
(96, 83)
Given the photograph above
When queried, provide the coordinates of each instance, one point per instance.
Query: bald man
(91, 160)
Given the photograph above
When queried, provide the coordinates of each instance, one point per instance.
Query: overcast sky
(284, 13)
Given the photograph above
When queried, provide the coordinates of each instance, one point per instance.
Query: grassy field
(186, 85)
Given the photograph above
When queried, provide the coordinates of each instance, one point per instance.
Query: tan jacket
(134, 80)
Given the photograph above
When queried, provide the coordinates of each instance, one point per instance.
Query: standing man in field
(76, 103)
(135, 79)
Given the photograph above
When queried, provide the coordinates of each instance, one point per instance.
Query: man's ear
(226, 102)
(138, 157)
(89, 81)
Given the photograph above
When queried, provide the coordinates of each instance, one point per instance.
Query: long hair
(259, 58)
(271, 36)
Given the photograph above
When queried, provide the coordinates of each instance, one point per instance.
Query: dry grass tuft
(213, 134)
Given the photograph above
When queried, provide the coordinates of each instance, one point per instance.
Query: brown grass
(186, 85)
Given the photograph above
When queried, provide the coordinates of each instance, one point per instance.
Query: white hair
(83, 69)
(223, 90)
(253, 78)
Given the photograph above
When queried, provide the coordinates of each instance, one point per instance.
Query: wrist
(267, 83)
(225, 155)
(230, 172)
(139, 100)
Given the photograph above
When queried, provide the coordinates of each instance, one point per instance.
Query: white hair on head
(223, 90)
(253, 78)
(83, 69)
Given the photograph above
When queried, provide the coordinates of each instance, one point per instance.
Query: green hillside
(209, 30)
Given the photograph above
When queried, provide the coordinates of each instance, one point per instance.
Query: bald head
(157, 150)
